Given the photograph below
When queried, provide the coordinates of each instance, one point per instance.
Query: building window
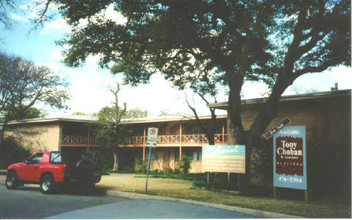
(195, 154)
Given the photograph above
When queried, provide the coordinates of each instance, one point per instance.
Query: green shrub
(186, 164)
(199, 184)
(127, 169)
(13, 152)
(141, 166)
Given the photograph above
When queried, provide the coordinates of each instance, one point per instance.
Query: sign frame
(224, 158)
(289, 160)
(152, 137)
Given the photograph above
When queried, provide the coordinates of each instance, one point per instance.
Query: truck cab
(51, 169)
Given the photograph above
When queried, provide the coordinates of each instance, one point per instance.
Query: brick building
(327, 119)
(326, 116)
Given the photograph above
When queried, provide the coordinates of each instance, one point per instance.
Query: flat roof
(224, 105)
(91, 119)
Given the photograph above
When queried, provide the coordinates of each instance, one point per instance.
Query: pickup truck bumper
(94, 177)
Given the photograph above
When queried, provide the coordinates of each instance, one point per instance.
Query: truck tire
(47, 184)
(11, 181)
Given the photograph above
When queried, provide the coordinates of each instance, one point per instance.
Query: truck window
(36, 158)
(55, 157)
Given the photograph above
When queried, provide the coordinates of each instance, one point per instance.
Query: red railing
(77, 140)
(190, 139)
(138, 141)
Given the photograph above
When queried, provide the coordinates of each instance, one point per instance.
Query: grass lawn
(181, 189)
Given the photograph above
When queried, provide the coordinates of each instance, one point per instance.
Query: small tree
(111, 134)
(185, 164)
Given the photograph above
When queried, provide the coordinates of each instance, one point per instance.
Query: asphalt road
(29, 202)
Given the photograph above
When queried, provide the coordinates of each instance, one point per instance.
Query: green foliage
(185, 164)
(31, 113)
(135, 113)
(105, 169)
(127, 169)
(103, 157)
(141, 166)
(215, 185)
(206, 44)
(216, 181)
(22, 85)
(175, 174)
(12, 152)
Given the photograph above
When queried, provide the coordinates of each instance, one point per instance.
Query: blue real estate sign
(290, 167)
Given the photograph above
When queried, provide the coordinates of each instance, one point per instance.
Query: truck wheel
(47, 184)
(11, 181)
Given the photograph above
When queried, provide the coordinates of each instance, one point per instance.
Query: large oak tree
(232, 40)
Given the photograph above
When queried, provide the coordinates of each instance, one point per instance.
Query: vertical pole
(275, 193)
(143, 152)
(146, 181)
(144, 144)
(180, 159)
(238, 180)
(223, 133)
(306, 196)
(180, 132)
(208, 177)
(88, 137)
(228, 178)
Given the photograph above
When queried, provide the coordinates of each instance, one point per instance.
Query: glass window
(195, 154)
(55, 157)
(36, 158)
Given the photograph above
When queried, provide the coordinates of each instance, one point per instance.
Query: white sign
(152, 137)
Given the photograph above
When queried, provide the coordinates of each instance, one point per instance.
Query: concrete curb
(259, 213)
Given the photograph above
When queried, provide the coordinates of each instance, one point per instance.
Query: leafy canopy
(201, 40)
(24, 85)
(203, 43)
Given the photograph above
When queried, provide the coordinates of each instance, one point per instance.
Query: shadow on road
(73, 190)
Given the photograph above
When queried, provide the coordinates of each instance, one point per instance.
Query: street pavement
(137, 209)
(29, 202)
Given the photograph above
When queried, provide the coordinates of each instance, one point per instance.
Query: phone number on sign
(290, 179)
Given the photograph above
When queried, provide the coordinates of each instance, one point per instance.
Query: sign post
(289, 159)
(224, 159)
(152, 140)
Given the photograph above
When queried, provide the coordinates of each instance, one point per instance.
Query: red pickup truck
(52, 169)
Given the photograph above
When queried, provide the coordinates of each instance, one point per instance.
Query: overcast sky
(89, 84)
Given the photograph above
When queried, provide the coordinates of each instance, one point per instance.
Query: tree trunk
(252, 138)
(211, 131)
(116, 161)
(2, 137)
